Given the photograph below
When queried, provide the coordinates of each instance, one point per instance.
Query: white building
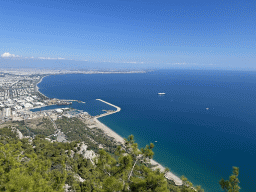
(28, 105)
(10, 101)
(17, 107)
(29, 99)
(21, 101)
(40, 103)
(7, 112)
(59, 110)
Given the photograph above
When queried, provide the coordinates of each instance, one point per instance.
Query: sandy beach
(108, 131)
(169, 175)
(37, 88)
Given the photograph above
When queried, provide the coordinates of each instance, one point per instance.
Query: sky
(138, 32)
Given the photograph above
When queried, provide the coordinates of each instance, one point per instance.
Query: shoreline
(108, 131)
(105, 128)
(37, 88)
(169, 175)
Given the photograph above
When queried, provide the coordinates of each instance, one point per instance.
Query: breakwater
(108, 112)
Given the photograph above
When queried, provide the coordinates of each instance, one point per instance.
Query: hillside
(38, 164)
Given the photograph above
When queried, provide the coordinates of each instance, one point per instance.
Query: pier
(109, 112)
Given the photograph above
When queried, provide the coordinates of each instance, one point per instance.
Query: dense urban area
(19, 94)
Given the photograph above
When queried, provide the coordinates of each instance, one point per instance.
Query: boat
(161, 93)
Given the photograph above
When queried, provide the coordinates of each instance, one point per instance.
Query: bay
(202, 144)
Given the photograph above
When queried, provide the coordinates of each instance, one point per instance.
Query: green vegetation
(231, 185)
(76, 130)
(40, 165)
(39, 126)
(43, 127)
(24, 168)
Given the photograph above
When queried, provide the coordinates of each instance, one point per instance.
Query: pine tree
(231, 185)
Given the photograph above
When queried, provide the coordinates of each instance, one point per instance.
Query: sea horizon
(200, 108)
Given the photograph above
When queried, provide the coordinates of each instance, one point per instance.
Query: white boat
(161, 93)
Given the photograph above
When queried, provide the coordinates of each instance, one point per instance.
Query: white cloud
(134, 62)
(182, 63)
(45, 58)
(7, 54)
(49, 58)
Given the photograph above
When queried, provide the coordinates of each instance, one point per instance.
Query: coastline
(37, 88)
(105, 128)
(169, 175)
(108, 131)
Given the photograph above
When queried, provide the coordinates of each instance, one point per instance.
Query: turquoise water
(201, 144)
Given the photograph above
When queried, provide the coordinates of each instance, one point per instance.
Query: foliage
(42, 126)
(40, 165)
(231, 185)
(76, 130)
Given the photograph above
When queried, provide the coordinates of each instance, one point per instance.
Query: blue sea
(201, 144)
